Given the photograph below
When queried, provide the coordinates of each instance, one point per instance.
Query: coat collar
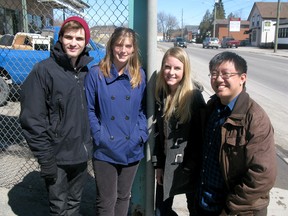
(58, 54)
(114, 74)
(239, 111)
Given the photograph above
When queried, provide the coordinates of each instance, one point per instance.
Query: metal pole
(151, 66)
(25, 17)
(142, 18)
(137, 21)
(214, 23)
(277, 27)
(63, 14)
(182, 24)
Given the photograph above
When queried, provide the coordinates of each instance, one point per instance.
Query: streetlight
(216, 2)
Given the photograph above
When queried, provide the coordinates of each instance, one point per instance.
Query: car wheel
(4, 91)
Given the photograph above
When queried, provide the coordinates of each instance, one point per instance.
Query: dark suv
(180, 42)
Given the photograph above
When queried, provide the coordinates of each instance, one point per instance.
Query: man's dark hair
(239, 62)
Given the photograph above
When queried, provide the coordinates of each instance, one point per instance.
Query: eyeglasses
(224, 75)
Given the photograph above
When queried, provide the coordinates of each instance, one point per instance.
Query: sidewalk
(279, 52)
(23, 201)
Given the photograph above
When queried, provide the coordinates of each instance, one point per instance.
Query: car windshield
(179, 39)
(214, 39)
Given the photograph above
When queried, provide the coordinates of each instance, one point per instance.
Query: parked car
(193, 40)
(180, 42)
(211, 42)
(229, 42)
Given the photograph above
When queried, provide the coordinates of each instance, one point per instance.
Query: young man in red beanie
(54, 117)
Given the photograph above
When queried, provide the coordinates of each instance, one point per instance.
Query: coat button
(112, 97)
(127, 137)
(127, 97)
(126, 117)
(112, 137)
(112, 117)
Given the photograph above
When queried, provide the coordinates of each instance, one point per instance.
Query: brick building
(222, 30)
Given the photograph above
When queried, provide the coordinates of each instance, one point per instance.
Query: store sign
(235, 25)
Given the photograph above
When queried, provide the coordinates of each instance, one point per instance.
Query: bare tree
(161, 23)
(166, 24)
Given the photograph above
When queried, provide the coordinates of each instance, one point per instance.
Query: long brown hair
(133, 63)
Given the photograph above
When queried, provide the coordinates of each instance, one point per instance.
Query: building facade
(263, 17)
(283, 34)
(222, 29)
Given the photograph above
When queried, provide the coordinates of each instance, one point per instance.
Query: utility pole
(182, 24)
(214, 23)
(277, 27)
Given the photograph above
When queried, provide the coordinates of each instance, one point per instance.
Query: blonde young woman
(178, 101)
(115, 89)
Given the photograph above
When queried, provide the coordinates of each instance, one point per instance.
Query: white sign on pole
(235, 25)
(267, 25)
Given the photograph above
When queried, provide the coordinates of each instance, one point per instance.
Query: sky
(192, 11)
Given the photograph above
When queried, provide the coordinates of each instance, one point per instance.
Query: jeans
(65, 194)
(113, 187)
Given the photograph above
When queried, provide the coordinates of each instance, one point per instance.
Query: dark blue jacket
(115, 110)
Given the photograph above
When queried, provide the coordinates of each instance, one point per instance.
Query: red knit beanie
(83, 23)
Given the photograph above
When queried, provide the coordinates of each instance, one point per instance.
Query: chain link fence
(23, 42)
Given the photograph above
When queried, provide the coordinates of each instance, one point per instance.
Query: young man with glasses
(239, 159)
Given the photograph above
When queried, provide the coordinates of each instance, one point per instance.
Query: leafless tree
(161, 23)
(166, 24)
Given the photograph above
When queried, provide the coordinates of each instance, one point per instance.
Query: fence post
(25, 17)
(143, 19)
